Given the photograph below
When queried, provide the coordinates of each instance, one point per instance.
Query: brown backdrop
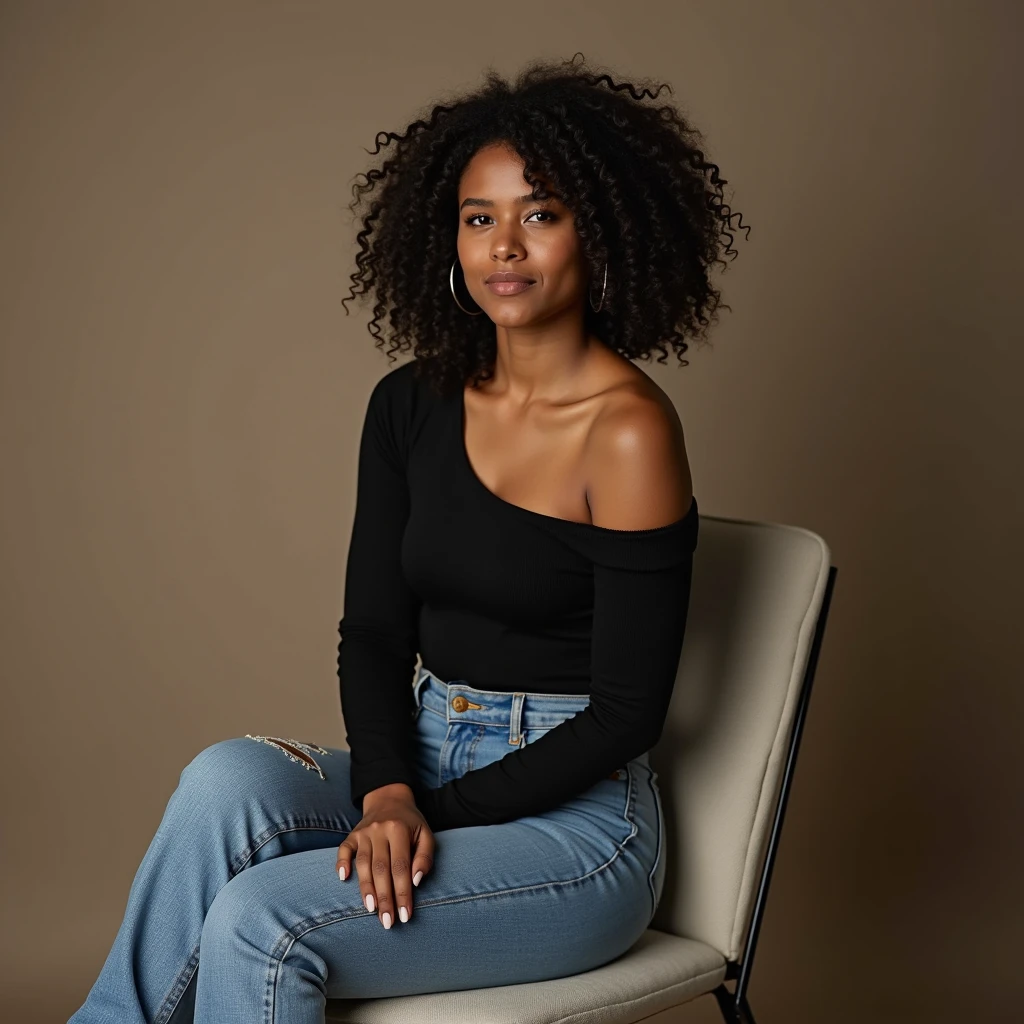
(182, 393)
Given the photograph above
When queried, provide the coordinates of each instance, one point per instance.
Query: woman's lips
(509, 287)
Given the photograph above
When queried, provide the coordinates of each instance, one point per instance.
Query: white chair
(758, 608)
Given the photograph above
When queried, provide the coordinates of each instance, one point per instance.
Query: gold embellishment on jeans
(461, 704)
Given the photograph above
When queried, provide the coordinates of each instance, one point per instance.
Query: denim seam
(289, 938)
(480, 734)
(440, 753)
(659, 852)
(506, 693)
(181, 982)
(275, 830)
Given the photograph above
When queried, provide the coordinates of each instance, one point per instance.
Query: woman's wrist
(392, 791)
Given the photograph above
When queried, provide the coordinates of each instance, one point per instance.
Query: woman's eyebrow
(518, 199)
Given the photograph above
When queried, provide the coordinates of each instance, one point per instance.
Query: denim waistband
(514, 711)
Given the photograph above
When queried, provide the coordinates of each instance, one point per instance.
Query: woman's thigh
(544, 896)
(503, 904)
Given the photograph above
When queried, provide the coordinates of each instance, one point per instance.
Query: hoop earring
(451, 282)
(597, 309)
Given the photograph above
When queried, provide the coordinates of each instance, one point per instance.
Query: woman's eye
(547, 213)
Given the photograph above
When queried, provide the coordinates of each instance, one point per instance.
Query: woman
(525, 523)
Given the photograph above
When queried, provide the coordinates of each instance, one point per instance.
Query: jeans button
(460, 703)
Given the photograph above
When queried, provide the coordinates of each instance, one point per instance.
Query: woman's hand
(391, 833)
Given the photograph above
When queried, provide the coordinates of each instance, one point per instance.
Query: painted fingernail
(386, 919)
(403, 914)
(341, 872)
(369, 902)
(416, 878)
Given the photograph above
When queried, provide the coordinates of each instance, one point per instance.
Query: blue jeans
(236, 914)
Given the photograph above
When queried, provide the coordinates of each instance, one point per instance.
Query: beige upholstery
(658, 972)
(757, 593)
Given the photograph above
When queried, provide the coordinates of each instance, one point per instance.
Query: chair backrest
(756, 596)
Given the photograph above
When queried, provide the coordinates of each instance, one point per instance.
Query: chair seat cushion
(660, 971)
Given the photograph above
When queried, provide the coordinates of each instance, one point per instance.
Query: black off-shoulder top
(503, 598)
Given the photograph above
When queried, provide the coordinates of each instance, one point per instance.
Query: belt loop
(515, 734)
(422, 675)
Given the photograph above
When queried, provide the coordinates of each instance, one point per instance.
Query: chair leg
(746, 1013)
(733, 1012)
(726, 1005)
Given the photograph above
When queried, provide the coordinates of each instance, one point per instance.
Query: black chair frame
(734, 1005)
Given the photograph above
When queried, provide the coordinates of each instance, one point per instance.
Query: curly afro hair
(644, 199)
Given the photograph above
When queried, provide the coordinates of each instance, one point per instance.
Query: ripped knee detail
(300, 753)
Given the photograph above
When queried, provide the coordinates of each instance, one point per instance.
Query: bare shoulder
(637, 472)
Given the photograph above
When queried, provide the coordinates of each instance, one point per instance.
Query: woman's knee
(234, 924)
(220, 759)
(261, 769)
(249, 917)
(219, 774)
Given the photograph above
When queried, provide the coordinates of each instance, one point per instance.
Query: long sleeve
(378, 631)
(641, 599)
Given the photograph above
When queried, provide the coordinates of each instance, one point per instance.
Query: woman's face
(499, 232)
